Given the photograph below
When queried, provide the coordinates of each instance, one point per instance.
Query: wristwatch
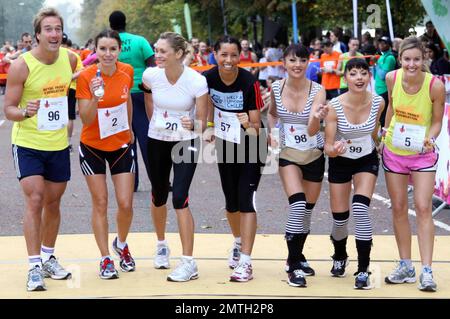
(25, 113)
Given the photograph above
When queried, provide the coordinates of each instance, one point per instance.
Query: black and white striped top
(347, 130)
(287, 117)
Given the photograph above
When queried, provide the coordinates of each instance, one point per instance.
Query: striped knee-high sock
(295, 233)
(363, 230)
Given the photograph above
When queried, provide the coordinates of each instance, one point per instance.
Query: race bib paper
(227, 126)
(169, 120)
(296, 136)
(53, 114)
(112, 120)
(408, 137)
(358, 147)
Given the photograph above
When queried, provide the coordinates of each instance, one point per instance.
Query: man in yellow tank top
(36, 101)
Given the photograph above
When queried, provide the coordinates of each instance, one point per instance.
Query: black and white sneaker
(303, 265)
(362, 280)
(296, 278)
(338, 269)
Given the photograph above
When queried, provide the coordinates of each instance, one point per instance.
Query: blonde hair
(413, 43)
(176, 41)
(45, 13)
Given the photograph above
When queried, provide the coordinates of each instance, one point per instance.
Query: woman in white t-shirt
(175, 96)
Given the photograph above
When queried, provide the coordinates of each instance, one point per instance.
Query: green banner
(439, 12)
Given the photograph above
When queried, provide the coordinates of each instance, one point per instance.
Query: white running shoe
(185, 271)
(161, 259)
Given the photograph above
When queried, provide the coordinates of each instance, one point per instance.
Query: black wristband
(142, 88)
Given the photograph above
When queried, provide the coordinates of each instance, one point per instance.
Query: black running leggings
(239, 184)
(184, 161)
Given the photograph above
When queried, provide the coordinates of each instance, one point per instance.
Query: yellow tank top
(44, 81)
(410, 110)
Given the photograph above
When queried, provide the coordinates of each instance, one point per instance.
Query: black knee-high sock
(295, 232)
(363, 247)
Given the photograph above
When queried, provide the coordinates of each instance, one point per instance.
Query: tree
(17, 18)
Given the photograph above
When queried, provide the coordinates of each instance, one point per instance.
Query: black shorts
(93, 161)
(342, 169)
(72, 103)
(312, 172)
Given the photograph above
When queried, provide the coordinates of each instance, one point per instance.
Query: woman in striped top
(297, 103)
(350, 142)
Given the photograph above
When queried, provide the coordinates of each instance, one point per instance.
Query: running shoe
(127, 263)
(234, 256)
(161, 259)
(35, 280)
(242, 273)
(401, 274)
(185, 271)
(52, 269)
(107, 269)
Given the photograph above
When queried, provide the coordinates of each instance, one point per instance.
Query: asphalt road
(206, 201)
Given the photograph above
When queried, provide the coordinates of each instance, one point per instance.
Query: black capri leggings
(239, 183)
(162, 155)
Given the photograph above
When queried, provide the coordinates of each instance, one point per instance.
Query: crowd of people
(120, 85)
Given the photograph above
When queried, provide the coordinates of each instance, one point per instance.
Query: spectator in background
(137, 52)
(442, 65)
(328, 66)
(313, 70)
(367, 47)
(338, 46)
(274, 54)
(431, 56)
(385, 64)
(195, 44)
(431, 35)
(202, 56)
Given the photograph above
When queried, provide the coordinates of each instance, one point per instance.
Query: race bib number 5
(408, 137)
(113, 120)
(53, 114)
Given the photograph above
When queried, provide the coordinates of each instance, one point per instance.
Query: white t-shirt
(274, 55)
(263, 74)
(173, 101)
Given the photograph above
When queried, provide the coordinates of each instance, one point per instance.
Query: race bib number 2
(53, 114)
(113, 120)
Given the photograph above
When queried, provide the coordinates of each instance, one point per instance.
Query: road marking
(410, 211)
(2, 122)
